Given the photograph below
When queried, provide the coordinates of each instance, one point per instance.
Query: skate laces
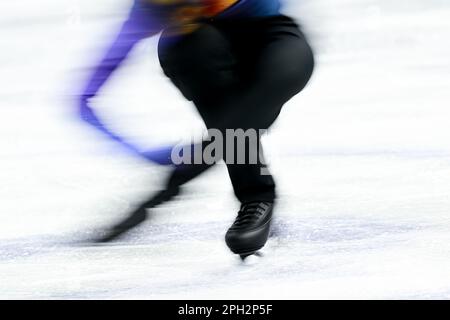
(249, 213)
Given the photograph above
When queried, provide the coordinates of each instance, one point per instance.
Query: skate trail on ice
(361, 157)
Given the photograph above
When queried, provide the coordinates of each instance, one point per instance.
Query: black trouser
(238, 73)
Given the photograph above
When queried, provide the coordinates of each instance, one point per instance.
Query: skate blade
(112, 235)
(244, 256)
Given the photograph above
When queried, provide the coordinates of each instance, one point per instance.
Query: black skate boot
(138, 215)
(250, 230)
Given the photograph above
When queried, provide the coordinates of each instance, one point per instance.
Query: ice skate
(137, 216)
(250, 230)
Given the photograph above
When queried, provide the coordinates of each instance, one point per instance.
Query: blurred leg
(239, 91)
(202, 66)
(282, 65)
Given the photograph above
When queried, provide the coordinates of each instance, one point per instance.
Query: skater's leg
(180, 175)
(276, 66)
(201, 65)
(137, 216)
(246, 95)
(283, 63)
(228, 96)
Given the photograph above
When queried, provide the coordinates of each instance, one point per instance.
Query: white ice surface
(362, 160)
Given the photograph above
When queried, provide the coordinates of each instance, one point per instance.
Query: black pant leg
(201, 65)
(275, 63)
(204, 67)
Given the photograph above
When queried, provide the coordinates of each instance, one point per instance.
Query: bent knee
(290, 69)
